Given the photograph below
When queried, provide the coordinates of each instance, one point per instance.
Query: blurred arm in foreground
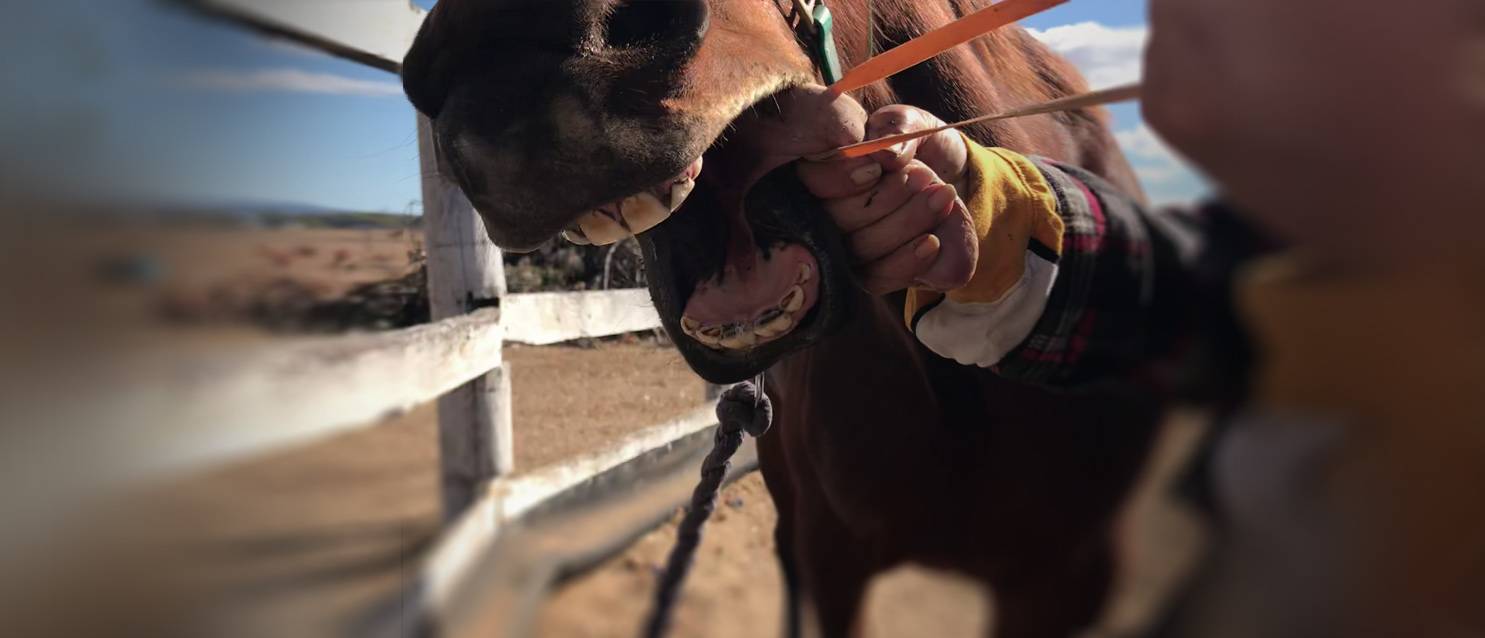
(1347, 483)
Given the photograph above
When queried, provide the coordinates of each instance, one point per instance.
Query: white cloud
(1141, 143)
(1111, 56)
(287, 80)
(1107, 56)
(1166, 176)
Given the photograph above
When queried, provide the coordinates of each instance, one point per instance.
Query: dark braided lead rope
(742, 408)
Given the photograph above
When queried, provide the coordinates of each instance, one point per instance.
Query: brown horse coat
(883, 453)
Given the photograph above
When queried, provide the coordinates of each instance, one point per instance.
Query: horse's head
(675, 119)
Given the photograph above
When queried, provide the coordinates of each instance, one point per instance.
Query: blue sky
(128, 100)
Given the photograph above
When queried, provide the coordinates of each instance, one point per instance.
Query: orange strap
(939, 40)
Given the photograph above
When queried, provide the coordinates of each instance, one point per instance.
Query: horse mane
(1005, 69)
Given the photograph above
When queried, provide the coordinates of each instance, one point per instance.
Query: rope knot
(745, 407)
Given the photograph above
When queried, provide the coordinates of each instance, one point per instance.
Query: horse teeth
(575, 236)
(709, 337)
(806, 273)
(740, 340)
(694, 170)
(794, 300)
(643, 212)
(690, 325)
(679, 191)
(778, 326)
(602, 230)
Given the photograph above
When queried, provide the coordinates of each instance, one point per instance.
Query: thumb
(896, 120)
(944, 152)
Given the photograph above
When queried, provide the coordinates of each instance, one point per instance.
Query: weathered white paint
(509, 498)
(546, 318)
(465, 272)
(377, 33)
(153, 415)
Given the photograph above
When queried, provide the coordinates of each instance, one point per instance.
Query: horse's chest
(887, 440)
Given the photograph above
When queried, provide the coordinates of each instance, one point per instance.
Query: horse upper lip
(809, 119)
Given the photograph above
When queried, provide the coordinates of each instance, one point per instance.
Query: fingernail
(867, 174)
(942, 198)
(927, 247)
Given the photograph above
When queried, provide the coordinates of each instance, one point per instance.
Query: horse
(680, 121)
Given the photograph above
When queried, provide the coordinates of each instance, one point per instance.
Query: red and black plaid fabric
(1098, 318)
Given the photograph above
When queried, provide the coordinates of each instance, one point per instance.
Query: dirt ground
(302, 542)
(735, 589)
(305, 542)
(91, 291)
(573, 400)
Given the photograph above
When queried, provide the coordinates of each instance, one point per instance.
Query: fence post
(465, 272)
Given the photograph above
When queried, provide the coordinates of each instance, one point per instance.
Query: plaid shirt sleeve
(1078, 284)
(1097, 319)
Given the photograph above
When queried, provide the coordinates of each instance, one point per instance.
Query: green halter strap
(818, 29)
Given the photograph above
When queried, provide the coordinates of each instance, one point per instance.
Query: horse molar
(779, 325)
(740, 337)
(793, 300)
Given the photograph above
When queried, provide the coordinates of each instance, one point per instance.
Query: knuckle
(926, 216)
(895, 186)
(895, 118)
(919, 175)
(840, 210)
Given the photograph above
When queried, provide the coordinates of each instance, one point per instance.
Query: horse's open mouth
(744, 266)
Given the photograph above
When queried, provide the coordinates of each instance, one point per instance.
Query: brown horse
(565, 114)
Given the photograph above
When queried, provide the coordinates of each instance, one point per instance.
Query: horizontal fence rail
(545, 318)
(376, 33)
(175, 413)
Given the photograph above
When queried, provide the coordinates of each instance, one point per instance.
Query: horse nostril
(657, 22)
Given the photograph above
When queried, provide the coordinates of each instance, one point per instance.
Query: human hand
(900, 209)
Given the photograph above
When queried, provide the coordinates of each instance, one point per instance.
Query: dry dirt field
(300, 542)
(735, 589)
(91, 290)
(309, 538)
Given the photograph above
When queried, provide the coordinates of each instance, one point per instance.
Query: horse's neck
(1002, 70)
(871, 361)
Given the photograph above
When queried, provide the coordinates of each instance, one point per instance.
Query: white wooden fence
(295, 394)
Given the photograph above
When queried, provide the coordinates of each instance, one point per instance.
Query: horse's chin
(750, 268)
